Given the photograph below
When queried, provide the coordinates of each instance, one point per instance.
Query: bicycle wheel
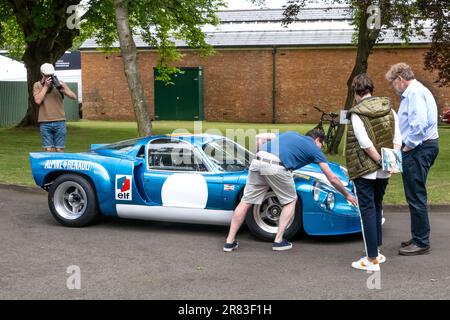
(319, 126)
(330, 136)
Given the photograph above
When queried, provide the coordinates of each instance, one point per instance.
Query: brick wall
(238, 83)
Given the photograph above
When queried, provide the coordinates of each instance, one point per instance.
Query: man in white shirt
(418, 118)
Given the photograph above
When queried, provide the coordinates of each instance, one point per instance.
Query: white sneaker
(381, 258)
(365, 264)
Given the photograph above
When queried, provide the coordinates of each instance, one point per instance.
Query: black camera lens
(56, 82)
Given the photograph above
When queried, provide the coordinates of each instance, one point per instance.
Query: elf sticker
(123, 187)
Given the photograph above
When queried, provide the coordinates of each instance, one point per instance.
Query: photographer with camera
(49, 94)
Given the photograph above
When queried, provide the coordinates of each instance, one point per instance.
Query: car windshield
(228, 155)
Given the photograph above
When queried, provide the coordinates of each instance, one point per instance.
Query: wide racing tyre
(72, 201)
(262, 220)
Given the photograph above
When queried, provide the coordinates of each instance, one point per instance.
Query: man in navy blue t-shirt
(277, 157)
(294, 150)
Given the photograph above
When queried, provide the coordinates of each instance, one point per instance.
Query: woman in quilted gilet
(373, 125)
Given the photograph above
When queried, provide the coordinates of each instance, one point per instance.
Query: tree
(158, 23)
(372, 18)
(37, 32)
(129, 54)
(438, 57)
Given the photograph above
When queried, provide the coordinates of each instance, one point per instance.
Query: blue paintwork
(103, 162)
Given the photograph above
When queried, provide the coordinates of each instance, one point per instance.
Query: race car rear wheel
(262, 220)
(72, 201)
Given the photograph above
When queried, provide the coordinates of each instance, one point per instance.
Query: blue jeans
(53, 134)
(370, 199)
(416, 165)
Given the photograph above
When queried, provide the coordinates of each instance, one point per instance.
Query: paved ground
(121, 259)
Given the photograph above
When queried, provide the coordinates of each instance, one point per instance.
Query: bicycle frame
(331, 118)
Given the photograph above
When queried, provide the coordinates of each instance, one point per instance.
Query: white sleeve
(397, 134)
(360, 132)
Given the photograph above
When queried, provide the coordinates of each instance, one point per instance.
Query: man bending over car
(277, 156)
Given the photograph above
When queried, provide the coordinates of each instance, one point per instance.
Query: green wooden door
(182, 100)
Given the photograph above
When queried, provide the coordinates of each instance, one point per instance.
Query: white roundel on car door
(185, 190)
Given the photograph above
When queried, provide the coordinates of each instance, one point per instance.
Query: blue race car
(183, 178)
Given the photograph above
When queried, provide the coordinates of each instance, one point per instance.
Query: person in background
(49, 94)
(418, 116)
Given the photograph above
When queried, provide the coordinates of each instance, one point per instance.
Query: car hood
(313, 170)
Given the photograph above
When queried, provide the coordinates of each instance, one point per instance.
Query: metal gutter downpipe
(274, 91)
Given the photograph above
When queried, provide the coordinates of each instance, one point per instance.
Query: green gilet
(379, 122)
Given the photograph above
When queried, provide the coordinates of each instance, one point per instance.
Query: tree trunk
(33, 75)
(366, 40)
(129, 54)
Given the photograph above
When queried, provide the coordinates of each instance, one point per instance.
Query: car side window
(173, 155)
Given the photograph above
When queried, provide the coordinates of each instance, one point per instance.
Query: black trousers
(370, 199)
(416, 165)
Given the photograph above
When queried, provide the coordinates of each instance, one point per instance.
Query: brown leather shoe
(414, 250)
(406, 243)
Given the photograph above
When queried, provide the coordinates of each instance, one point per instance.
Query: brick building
(261, 72)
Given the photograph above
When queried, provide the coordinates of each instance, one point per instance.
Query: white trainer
(381, 258)
(365, 264)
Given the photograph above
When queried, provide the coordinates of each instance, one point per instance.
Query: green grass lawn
(17, 143)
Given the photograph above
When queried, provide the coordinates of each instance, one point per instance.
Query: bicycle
(330, 117)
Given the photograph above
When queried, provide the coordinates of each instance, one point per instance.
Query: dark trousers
(416, 165)
(370, 199)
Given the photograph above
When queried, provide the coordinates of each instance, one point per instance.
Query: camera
(55, 82)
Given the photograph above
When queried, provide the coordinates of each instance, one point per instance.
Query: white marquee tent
(12, 70)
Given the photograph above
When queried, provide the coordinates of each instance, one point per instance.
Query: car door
(176, 176)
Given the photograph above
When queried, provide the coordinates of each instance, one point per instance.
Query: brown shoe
(414, 250)
(406, 243)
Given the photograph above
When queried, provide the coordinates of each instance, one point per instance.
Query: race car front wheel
(262, 220)
(72, 201)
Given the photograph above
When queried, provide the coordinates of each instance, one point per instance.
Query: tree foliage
(438, 57)
(405, 20)
(159, 23)
(38, 32)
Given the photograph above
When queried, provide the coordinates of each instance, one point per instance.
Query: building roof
(276, 15)
(262, 28)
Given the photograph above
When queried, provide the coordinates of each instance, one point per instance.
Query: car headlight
(329, 201)
(324, 197)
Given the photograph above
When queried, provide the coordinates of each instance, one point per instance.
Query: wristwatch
(379, 162)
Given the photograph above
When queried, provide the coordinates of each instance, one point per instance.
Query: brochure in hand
(391, 160)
